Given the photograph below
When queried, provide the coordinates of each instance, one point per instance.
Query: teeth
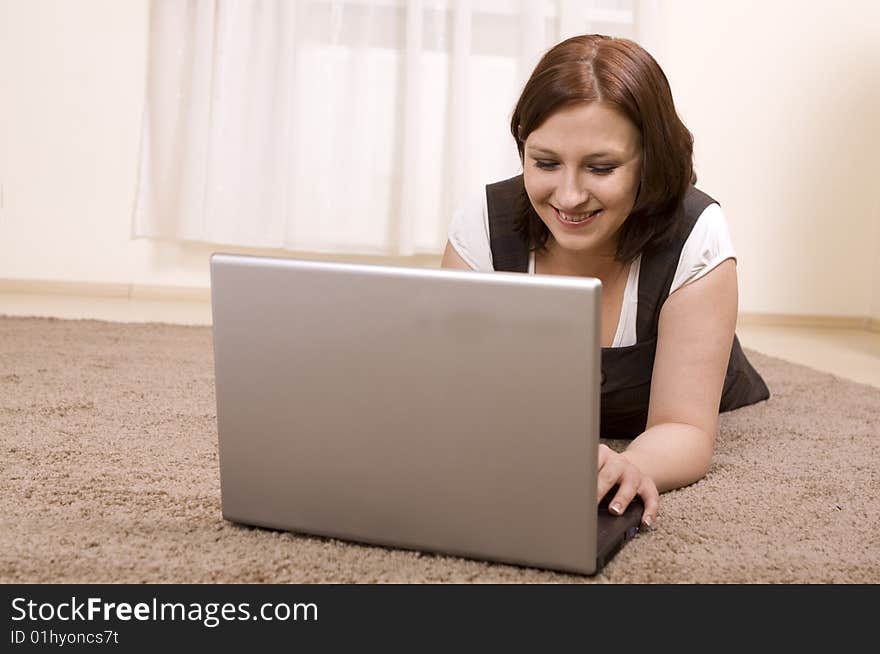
(576, 219)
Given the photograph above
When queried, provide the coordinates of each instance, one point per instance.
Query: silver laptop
(440, 410)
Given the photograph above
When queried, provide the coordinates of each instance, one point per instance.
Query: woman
(607, 191)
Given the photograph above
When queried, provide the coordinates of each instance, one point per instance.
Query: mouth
(577, 219)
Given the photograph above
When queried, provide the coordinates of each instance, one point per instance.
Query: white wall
(782, 98)
(875, 304)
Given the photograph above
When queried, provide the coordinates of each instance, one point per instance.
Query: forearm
(672, 454)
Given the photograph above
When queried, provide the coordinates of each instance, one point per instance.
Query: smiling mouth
(574, 219)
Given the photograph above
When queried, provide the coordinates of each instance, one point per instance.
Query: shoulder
(695, 200)
(708, 245)
(469, 233)
(710, 227)
(693, 204)
(510, 186)
(712, 220)
(503, 201)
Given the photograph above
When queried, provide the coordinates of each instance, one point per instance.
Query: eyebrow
(595, 155)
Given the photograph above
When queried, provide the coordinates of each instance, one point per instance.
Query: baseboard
(789, 320)
(201, 295)
(105, 290)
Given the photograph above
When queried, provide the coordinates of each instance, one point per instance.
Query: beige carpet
(109, 473)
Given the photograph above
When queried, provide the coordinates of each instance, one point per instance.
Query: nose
(572, 193)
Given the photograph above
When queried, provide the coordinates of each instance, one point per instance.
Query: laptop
(439, 410)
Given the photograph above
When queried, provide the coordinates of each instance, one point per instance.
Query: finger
(603, 455)
(651, 500)
(629, 486)
(608, 475)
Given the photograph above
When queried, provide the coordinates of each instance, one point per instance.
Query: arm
(451, 259)
(695, 335)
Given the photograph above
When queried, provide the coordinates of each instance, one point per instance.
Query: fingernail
(616, 508)
(649, 522)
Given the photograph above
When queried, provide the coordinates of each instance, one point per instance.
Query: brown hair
(619, 73)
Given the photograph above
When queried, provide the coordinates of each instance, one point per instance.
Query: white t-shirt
(707, 246)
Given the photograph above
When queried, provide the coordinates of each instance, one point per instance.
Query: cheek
(632, 184)
(620, 192)
(538, 187)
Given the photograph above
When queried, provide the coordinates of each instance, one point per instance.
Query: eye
(603, 171)
(545, 164)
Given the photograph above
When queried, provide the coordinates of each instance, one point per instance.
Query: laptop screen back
(441, 410)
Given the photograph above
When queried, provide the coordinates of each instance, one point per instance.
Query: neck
(603, 266)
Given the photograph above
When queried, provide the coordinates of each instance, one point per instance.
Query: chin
(574, 243)
(587, 240)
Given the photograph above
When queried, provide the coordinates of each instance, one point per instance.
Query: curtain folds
(337, 126)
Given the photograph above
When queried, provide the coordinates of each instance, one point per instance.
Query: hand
(616, 469)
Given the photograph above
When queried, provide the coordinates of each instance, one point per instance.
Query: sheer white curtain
(338, 126)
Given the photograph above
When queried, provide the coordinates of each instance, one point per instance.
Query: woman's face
(584, 158)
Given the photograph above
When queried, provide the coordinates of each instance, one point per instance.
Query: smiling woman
(607, 191)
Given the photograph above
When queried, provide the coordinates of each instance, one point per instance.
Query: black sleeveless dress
(626, 371)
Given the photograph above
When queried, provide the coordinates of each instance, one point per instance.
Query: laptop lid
(441, 410)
